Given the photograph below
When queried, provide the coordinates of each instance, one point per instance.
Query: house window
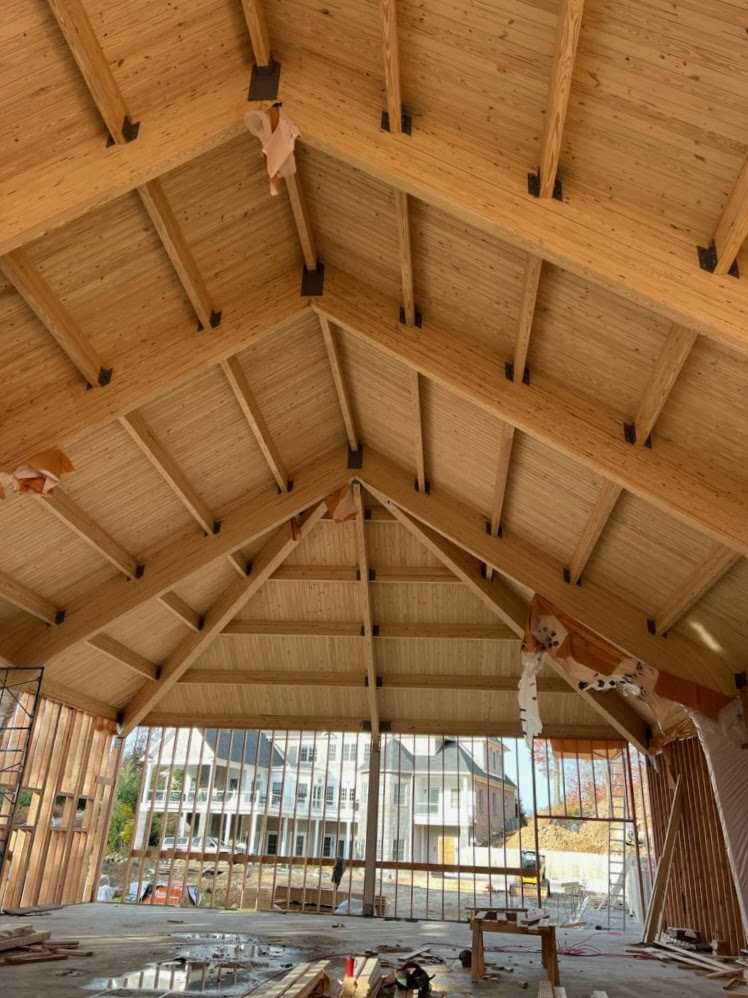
(348, 796)
(327, 846)
(272, 844)
(454, 797)
(398, 793)
(494, 804)
(302, 792)
(299, 846)
(332, 751)
(349, 752)
(480, 801)
(276, 796)
(367, 751)
(317, 795)
(398, 849)
(330, 795)
(308, 753)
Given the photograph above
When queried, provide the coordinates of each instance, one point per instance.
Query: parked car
(210, 844)
(171, 844)
(162, 893)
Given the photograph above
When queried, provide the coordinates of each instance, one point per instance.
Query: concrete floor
(127, 938)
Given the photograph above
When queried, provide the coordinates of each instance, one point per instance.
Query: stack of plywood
(304, 981)
(366, 981)
(23, 944)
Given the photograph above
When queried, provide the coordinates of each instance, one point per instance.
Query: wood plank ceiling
(538, 380)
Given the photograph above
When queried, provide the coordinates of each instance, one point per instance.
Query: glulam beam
(352, 680)
(341, 388)
(44, 303)
(254, 15)
(732, 227)
(391, 53)
(699, 582)
(529, 294)
(27, 599)
(124, 655)
(70, 513)
(381, 631)
(300, 211)
(605, 503)
(181, 610)
(673, 355)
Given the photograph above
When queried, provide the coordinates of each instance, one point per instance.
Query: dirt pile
(592, 836)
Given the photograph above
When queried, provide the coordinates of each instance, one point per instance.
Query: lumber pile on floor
(367, 978)
(547, 990)
(303, 981)
(23, 944)
(732, 971)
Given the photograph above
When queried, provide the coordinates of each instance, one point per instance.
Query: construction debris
(366, 980)
(303, 981)
(24, 944)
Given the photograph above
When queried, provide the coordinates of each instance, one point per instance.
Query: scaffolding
(19, 699)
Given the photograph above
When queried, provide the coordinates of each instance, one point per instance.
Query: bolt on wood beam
(50, 311)
(164, 220)
(236, 377)
(27, 599)
(341, 388)
(698, 583)
(70, 513)
(565, 48)
(391, 52)
(85, 48)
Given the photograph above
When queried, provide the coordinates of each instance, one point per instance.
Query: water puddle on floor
(218, 963)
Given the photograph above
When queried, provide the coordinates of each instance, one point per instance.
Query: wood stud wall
(71, 771)
(701, 892)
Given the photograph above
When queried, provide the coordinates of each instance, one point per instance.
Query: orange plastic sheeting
(40, 473)
(341, 504)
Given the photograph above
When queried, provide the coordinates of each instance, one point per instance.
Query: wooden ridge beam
(569, 21)
(124, 655)
(181, 610)
(94, 67)
(352, 680)
(352, 629)
(366, 613)
(53, 315)
(70, 513)
(494, 594)
(171, 357)
(391, 52)
(591, 604)
(274, 552)
(301, 219)
(607, 497)
(680, 483)
(732, 227)
(172, 238)
(180, 556)
(344, 573)
(139, 430)
(674, 354)
(236, 377)
(335, 722)
(530, 284)
(341, 388)
(254, 15)
(27, 599)
(699, 582)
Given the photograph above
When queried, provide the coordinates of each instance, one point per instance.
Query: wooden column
(372, 828)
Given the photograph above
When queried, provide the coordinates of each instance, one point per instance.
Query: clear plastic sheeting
(722, 742)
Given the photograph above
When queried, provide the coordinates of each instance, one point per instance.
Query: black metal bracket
(417, 320)
(629, 435)
(651, 626)
(217, 527)
(367, 512)
(509, 373)
(356, 458)
(248, 569)
(130, 131)
(375, 630)
(264, 81)
(406, 122)
(363, 631)
(372, 575)
(358, 575)
(119, 719)
(139, 570)
(313, 281)
(105, 376)
(533, 186)
(289, 487)
(567, 578)
(379, 681)
(500, 534)
(201, 624)
(708, 260)
(426, 486)
(59, 616)
(215, 321)
(741, 680)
